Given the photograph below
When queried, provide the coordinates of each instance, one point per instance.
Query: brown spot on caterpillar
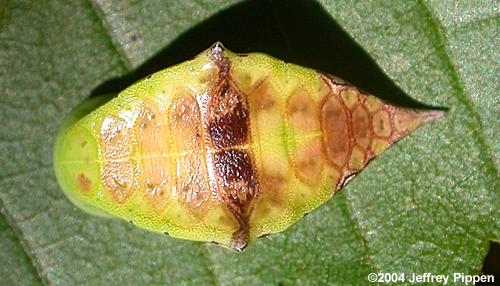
(303, 111)
(118, 179)
(335, 131)
(262, 96)
(228, 118)
(309, 163)
(361, 126)
(407, 120)
(381, 124)
(84, 183)
(238, 185)
(233, 166)
(274, 178)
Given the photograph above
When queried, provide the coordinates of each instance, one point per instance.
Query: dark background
(300, 32)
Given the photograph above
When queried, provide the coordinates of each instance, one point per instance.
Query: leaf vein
(125, 63)
(440, 43)
(24, 246)
(209, 263)
(358, 230)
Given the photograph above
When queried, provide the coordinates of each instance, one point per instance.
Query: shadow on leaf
(300, 32)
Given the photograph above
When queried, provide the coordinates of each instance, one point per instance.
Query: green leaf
(16, 265)
(429, 204)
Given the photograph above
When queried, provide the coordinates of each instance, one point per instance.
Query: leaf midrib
(27, 254)
(440, 45)
(97, 12)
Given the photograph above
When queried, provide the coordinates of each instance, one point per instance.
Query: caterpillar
(225, 147)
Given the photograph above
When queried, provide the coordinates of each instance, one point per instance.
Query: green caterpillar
(224, 147)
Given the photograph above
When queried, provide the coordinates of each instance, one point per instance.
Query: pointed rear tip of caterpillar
(428, 116)
(407, 120)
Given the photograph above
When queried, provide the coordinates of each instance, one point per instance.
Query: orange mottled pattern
(158, 178)
(357, 127)
(192, 186)
(118, 170)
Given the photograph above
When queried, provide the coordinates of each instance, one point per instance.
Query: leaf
(430, 204)
(16, 265)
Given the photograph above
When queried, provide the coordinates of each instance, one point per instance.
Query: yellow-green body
(223, 148)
